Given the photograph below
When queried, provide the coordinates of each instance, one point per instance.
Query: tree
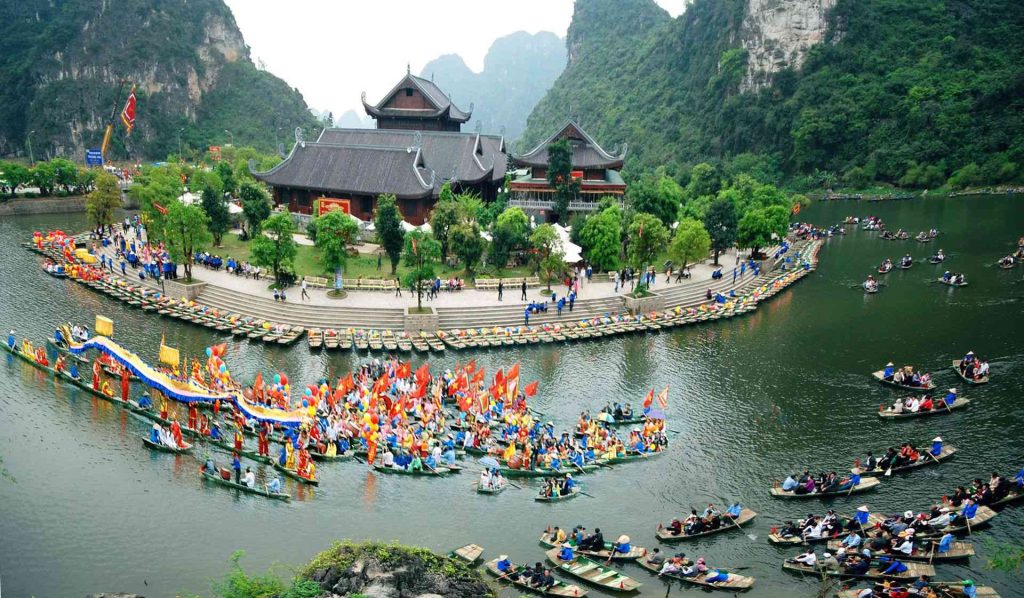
(549, 259)
(255, 206)
(226, 173)
(601, 238)
(336, 230)
(657, 195)
(470, 206)
(691, 242)
(220, 218)
(444, 216)
(757, 227)
(101, 203)
(468, 244)
(509, 234)
(720, 222)
(704, 180)
(560, 176)
(276, 248)
(388, 222)
(65, 174)
(421, 253)
(155, 188)
(43, 176)
(12, 176)
(647, 237)
(186, 230)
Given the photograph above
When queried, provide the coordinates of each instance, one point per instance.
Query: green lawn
(307, 263)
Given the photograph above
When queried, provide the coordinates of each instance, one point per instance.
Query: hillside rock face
(62, 64)
(778, 33)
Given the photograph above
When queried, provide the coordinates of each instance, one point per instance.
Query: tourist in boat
(903, 543)
(593, 542)
(156, 434)
(275, 485)
(906, 261)
(789, 483)
(886, 266)
(1006, 262)
(870, 285)
(891, 566)
(808, 558)
(566, 553)
(734, 510)
(250, 478)
(939, 257)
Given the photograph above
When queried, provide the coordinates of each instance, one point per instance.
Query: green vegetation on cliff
(901, 92)
(61, 64)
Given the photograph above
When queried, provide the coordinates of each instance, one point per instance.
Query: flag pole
(110, 124)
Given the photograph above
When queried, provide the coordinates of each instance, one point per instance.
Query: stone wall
(643, 305)
(778, 33)
(42, 205)
(178, 289)
(415, 322)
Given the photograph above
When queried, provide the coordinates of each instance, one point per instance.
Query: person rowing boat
(885, 267)
(906, 261)
(825, 483)
(906, 376)
(555, 487)
(923, 237)
(710, 520)
(938, 258)
(870, 285)
(996, 491)
(906, 456)
(953, 279)
(1007, 262)
(972, 368)
(922, 588)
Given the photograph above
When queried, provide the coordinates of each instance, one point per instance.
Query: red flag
(421, 391)
(478, 377)
(663, 398)
(471, 366)
(513, 372)
(499, 378)
(160, 208)
(128, 114)
(485, 402)
(649, 399)
(530, 389)
(423, 373)
(404, 370)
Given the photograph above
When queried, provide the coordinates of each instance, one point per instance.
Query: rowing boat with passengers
(894, 462)
(898, 382)
(209, 475)
(958, 550)
(874, 571)
(939, 407)
(968, 379)
(559, 588)
(547, 539)
(943, 589)
(593, 572)
(863, 485)
(673, 533)
(732, 581)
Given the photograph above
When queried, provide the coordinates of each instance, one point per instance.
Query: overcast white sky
(333, 50)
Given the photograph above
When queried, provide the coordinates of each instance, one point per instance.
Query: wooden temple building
(416, 147)
(596, 169)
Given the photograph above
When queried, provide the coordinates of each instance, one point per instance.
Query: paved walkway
(599, 288)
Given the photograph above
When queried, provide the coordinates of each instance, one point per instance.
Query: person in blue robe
(566, 553)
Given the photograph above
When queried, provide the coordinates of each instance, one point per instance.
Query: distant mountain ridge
(518, 69)
(61, 64)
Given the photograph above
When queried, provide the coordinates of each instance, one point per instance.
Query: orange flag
(530, 389)
(649, 399)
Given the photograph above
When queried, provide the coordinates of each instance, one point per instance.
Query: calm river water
(86, 508)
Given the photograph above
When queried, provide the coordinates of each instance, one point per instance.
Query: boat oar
(586, 494)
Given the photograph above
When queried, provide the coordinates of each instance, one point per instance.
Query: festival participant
(250, 478)
(176, 433)
(155, 435)
(566, 553)
(808, 558)
(236, 465)
(275, 485)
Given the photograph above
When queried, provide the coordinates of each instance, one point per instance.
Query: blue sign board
(94, 157)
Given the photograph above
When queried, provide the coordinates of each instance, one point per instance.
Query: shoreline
(471, 327)
(34, 206)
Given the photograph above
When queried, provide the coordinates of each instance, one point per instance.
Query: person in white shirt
(904, 544)
(942, 520)
(808, 558)
(485, 479)
(389, 458)
(250, 478)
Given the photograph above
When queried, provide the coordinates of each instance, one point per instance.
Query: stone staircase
(298, 314)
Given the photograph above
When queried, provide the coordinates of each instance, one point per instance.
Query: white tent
(573, 252)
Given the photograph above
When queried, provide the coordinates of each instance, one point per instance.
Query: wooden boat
(958, 550)
(508, 472)
(950, 282)
(593, 572)
(871, 290)
(880, 376)
(294, 474)
(942, 410)
(438, 471)
(159, 446)
(956, 368)
(906, 266)
(604, 554)
(487, 490)
(469, 553)
(865, 484)
(315, 338)
(632, 457)
(209, 475)
(556, 498)
(944, 590)
(913, 572)
(926, 459)
(735, 583)
(746, 515)
(1006, 266)
(559, 589)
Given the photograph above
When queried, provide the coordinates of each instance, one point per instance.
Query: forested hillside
(61, 64)
(897, 91)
